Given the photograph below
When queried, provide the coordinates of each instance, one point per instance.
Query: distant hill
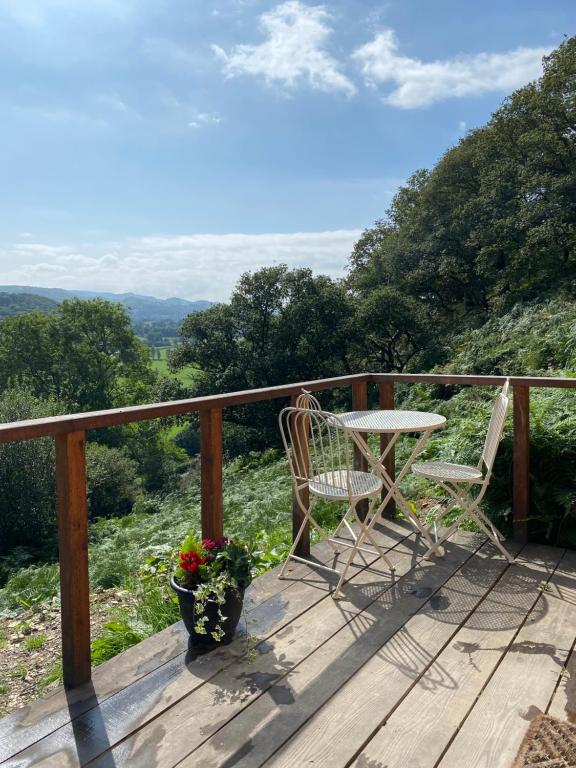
(141, 308)
(19, 303)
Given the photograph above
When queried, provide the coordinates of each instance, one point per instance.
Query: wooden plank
(337, 731)
(54, 425)
(563, 702)
(27, 725)
(522, 685)
(386, 403)
(466, 664)
(302, 460)
(148, 697)
(521, 465)
(294, 698)
(73, 553)
(212, 503)
(553, 382)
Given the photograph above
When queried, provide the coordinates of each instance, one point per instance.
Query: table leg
(393, 486)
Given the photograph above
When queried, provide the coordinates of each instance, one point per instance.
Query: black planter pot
(232, 609)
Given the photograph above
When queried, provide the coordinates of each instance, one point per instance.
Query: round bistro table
(359, 424)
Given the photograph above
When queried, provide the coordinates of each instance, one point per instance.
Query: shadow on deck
(443, 665)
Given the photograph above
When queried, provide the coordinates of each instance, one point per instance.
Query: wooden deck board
(330, 631)
(439, 702)
(521, 686)
(126, 710)
(443, 668)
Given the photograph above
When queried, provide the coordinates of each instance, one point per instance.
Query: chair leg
(337, 594)
(493, 538)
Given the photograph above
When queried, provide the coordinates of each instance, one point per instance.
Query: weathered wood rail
(69, 433)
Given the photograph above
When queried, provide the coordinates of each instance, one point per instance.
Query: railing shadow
(84, 738)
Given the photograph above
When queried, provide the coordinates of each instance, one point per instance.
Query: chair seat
(334, 485)
(443, 470)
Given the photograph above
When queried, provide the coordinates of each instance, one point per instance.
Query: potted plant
(209, 582)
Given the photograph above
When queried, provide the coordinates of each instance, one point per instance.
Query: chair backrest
(316, 444)
(495, 428)
(307, 400)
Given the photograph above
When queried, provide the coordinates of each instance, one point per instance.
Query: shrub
(112, 481)
(27, 479)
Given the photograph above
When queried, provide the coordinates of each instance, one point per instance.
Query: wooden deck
(444, 666)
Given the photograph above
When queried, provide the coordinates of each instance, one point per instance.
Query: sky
(167, 146)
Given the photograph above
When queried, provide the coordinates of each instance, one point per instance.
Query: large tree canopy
(85, 354)
(494, 223)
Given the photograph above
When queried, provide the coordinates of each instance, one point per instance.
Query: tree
(112, 480)
(494, 222)
(85, 354)
(27, 484)
(279, 326)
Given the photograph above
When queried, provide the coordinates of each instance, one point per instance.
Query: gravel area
(30, 647)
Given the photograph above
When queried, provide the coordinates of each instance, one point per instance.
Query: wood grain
(521, 477)
(27, 725)
(212, 505)
(520, 688)
(164, 688)
(316, 682)
(468, 662)
(73, 553)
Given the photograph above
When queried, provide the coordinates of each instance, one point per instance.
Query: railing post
(360, 403)
(303, 548)
(72, 510)
(386, 403)
(212, 505)
(521, 463)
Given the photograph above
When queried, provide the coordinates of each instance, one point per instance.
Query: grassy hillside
(12, 304)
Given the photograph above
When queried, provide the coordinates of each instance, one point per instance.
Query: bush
(112, 481)
(27, 479)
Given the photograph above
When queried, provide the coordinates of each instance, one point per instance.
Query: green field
(161, 366)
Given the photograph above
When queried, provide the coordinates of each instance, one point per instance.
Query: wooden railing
(69, 433)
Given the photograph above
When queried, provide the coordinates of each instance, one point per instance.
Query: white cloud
(293, 53)
(204, 266)
(202, 119)
(419, 84)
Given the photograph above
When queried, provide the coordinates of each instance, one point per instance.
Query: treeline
(82, 356)
(473, 266)
(491, 227)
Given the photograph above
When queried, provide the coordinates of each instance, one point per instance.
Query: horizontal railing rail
(69, 433)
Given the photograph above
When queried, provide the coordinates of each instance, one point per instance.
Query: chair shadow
(376, 613)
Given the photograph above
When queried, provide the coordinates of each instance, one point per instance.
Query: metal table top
(391, 421)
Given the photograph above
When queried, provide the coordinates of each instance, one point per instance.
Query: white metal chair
(320, 458)
(461, 481)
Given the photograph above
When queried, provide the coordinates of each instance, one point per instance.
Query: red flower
(190, 561)
(217, 544)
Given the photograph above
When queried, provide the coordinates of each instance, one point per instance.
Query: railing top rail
(561, 382)
(55, 425)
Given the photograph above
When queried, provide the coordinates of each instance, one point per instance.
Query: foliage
(280, 325)
(117, 636)
(27, 488)
(85, 354)
(493, 223)
(112, 481)
(20, 303)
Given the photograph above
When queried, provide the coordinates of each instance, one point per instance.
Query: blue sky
(167, 146)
